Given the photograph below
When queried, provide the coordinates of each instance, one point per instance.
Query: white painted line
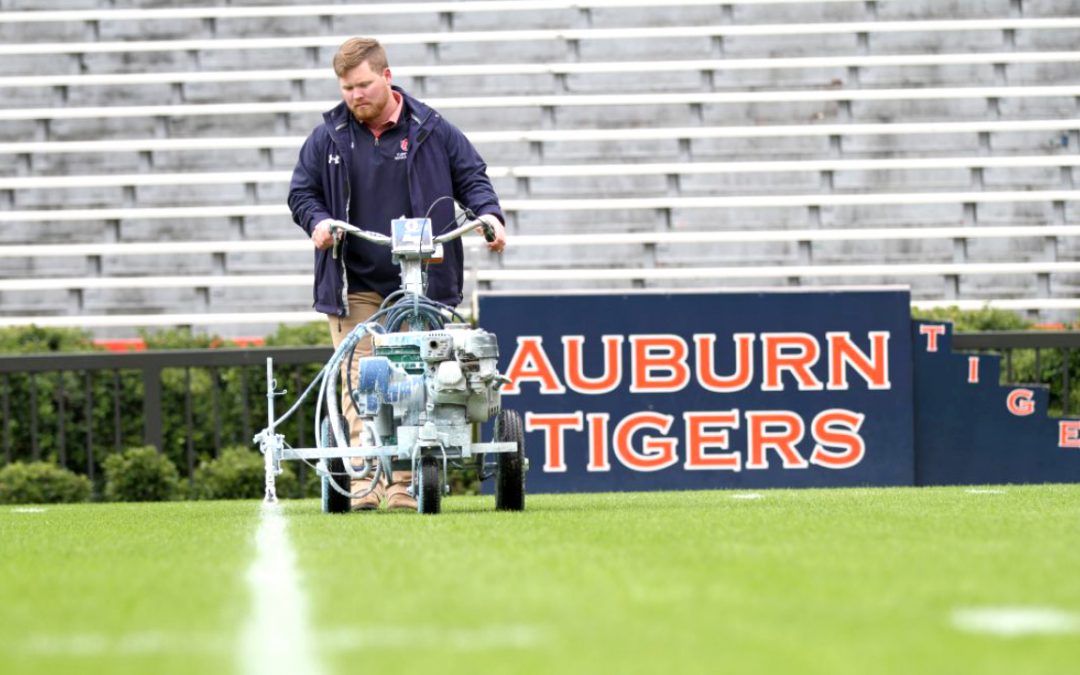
(748, 495)
(1011, 622)
(28, 509)
(277, 638)
(982, 491)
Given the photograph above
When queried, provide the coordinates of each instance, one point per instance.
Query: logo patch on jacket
(404, 149)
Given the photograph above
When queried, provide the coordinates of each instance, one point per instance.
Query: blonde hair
(355, 51)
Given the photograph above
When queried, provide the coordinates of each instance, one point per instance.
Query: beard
(370, 109)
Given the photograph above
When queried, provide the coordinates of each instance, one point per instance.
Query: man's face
(366, 92)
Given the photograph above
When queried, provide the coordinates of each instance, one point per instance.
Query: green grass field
(809, 581)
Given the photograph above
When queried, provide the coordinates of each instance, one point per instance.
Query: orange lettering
(1020, 402)
(843, 352)
(794, 352)
(825, 432)
(744, 363)
(659, 363)
(531, 364)
(700, 436)
(598, 451)
(656, 453)
(1069, 433)
(776, 430)
(931, 331)
(575, 372)
(553, 427)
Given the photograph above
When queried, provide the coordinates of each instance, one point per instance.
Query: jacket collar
(419, 116)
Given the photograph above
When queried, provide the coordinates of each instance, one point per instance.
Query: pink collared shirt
(390, 122)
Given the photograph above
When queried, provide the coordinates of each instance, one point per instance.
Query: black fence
(57, 406)
(74, 408)
(1034, 357)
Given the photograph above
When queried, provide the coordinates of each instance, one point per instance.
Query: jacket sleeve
(307, 200)
(472, 187)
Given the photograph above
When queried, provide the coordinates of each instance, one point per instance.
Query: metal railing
(1037, 357)
(109, 375)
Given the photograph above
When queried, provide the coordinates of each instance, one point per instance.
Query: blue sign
(971, 429)
(662, 391)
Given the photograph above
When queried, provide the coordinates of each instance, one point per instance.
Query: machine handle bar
(382, 239)
(373, 237)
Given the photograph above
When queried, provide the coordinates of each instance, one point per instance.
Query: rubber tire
(429, 487)
(510, 466)
(332, 500)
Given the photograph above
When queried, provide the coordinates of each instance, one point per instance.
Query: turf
(123, 588)
(813, 581)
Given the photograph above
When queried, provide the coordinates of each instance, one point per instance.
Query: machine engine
(428, 387)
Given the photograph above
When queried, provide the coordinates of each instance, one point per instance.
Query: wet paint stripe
(278, 637)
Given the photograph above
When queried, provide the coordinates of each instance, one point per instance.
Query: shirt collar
(390, 122)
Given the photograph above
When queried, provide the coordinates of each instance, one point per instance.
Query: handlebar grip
(340, 226)
(489, 231)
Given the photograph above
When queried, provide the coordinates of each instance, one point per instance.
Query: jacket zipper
(344, 272)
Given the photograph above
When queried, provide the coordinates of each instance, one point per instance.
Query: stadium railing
(549, 68)
(562, 205)
(556, 101)
(584, 169)
(558, 34)
(683, 134)
(300, 245)
(368, 9)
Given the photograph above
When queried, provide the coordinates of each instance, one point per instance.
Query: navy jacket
(441, 161)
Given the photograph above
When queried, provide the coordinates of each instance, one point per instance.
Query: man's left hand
(499, 243)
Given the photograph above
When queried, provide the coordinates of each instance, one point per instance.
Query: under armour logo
(334, 159)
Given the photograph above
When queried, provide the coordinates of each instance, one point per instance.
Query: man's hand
(499, 243)
(322, 237)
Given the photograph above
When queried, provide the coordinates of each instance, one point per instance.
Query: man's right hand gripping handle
(323, 237)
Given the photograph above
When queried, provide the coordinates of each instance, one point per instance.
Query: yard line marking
(277, 638)
(748, 495)
(28, 509)
(1010, 622)
(980, 491)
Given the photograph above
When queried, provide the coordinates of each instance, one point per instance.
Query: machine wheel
(332, 500)
(510, 468)
(429, 488)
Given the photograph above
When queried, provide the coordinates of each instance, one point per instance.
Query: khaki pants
(362, 306)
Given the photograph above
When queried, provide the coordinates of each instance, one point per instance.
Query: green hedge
(42, 483)
(238, 474)
(140, 475)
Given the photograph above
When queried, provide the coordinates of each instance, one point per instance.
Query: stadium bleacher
(634, 144)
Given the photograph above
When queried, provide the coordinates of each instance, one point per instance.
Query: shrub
(42, 483)
(300, 335)
(973, 320)
(238, 474)
(140, 475)
(37, 340)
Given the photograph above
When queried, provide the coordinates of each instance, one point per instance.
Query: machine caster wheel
(332, 500)
(510, 468)
(429, 487)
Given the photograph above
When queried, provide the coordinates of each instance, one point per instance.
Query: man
(381, 154)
